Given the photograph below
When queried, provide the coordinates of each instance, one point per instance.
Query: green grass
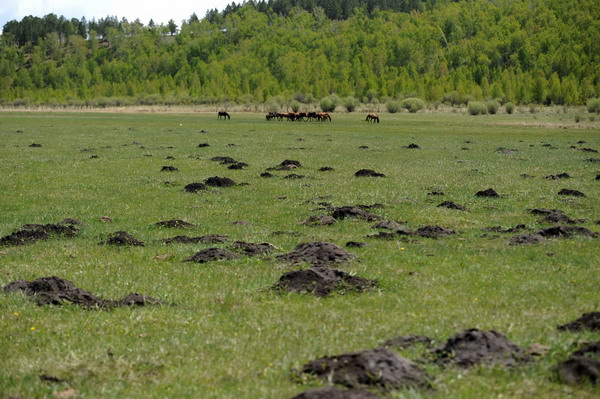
(229, 336)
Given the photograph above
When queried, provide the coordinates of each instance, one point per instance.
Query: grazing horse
(323, 116)
(223, 115)
(372, 118)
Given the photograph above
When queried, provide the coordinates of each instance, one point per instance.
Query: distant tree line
(279, 51)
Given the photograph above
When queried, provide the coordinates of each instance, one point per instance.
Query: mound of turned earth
(30, 233)
(544, 211)
(320, 220)
(472, 347)
(559, 217)
(406, 341)
(169, 169)
(572, 193)
(317, 254)
(412, 146)
(587, 322)
(288, 164)
(203, 145)
(216, 181)
(389, 225)
(379, 368)
(209, 239)
(237, 166)
(368, 173)
(500, 229)
(329, 169)
(489, 193)
(224, 160)
(335, 393)
(55, 290)
(434, 231)
(122, 238)
(210, 255)
(582, 366)
(452, 205)
(357, 212)
(558, 176)
(565, 231)
(175, 223)
(523, 239)
(195, 187)
(266, 175)
(502, 150)
(356, 244)
(322, 281)
(35, 145)
(252, 249)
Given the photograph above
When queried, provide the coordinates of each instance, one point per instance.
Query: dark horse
(223, 114)
(372, 118)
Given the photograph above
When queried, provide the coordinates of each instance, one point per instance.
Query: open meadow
(222, 330)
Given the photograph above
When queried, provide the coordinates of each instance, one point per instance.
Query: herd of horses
(299, 116)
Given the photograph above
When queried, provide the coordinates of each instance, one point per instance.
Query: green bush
(295, 106)
(593, 105)
(393, 106)
(413, 104)
(510, 108)
(329, 103)
(492, 106)
(350, 103)
(476, 108)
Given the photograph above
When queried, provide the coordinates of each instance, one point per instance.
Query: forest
(277, 51)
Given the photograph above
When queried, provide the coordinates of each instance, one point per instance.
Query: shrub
(350, 103)
(329, 103)
(593, 105)
(577, 118)
(393, 106)
(476, 108)
(510, 108)
(454, 98)
(295, 106)
(303, 98)
(492, 106)
(413, 104)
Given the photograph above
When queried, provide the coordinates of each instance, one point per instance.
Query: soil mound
(195, 187)
(317, 254)
(436, 193)
(236, 166)
(322, 281)
(452, 205)
(35, 145)
(412, 146)
(216, 181)
(356, 244)
(175, 223)
(582, 366)
(335, 393)
(500, 229)
(474, 346)
(203, 145)
(224, 160)
(320, 221)
(558, 176)
(211, 254)
(55, 290)
(588, 150)
(434, 231)
(523, 239)
(502, 150)
(252, 249)
(587, 322)
(122, 238)
(328, 169)
(380, 368)
(489, 193)
(288, 164)
(344, 212)
(266, 174)
(210, 239)
(169, 169)
(368, 173)
(406, 341)
(566, 231)
(389, 225)
(572, 193)
(30, 233)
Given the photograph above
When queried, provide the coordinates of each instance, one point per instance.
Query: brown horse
(323, 116)
(223, 115)
(372, 118)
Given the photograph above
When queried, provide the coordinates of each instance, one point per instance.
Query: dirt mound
(593, 160)
(368, 173)
(169, 169)
(320, 220)
(436, 193)
(389, 225)
(356, 244)
(558, 176)
(526, 176)
(522, 239)
(211, 254)
(378, 367)
(412, 146)
(328, 169)
(216, 181)
(224, 160)
(559, 217)
(195, 187)
(210, 239)
(405, 341)
(122, 238)
(452, 205)
(588, 150)
(30, 233)
(566, 231)
(203, 145)
(434, 231)
(344, 212)
(474, 346)
(266, 174)
(252, 249)
(237, 166)
(317, 254)
(322, 281)
(582, 366)
(587, 322)
(288, 164)
(335, 393)
(572, 193)
(502, 150)
(489, 193)
(55, 290)
(175, 223)
(35, 145)
(500, 229)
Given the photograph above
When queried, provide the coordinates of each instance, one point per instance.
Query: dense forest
(522, 51)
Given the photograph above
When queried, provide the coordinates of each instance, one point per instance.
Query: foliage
(393, 106)
(295, 106)
(492, 106)
(593, 105)
(350, 103)
(412, 104)
(477, 108)
(329, 103)
(509, 107)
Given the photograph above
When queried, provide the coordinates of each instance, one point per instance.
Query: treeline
(520, 51)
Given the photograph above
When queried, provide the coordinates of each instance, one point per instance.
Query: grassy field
(228, 335)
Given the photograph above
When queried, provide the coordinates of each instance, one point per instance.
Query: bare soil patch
(356, 212)
(210, 255)
(582, 366)
(122, 238)
(30, 233)
(368, 173)
(175, 223)
(216, 181)
(489, 193)
(587, 322)
(317, 254)
(252, 249)
(452, 205)
(195, 187)
(209, 239)
(322, 281)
